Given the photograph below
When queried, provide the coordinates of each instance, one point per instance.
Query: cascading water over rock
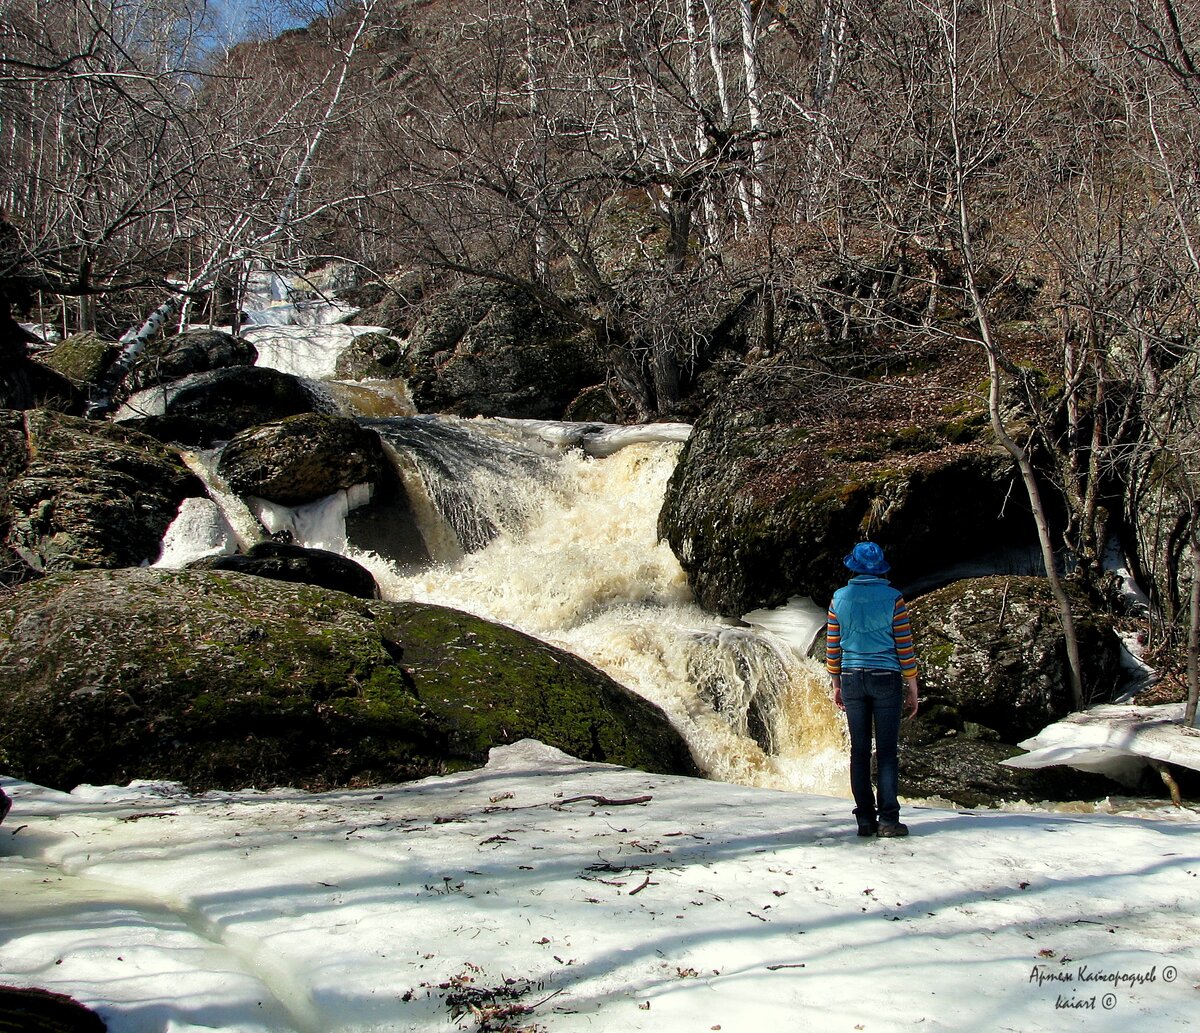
(552, 529)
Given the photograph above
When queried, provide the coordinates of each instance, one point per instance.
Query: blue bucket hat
(867, 558)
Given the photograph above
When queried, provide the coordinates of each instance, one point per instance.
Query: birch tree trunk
(753, 109)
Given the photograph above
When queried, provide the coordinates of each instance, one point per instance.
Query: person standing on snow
(870, 658)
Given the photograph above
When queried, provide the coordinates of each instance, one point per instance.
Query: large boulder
(203, 408)
(993, 669)
(193, 351)
(215, 679)
(284, 561)
(82, 358)
(487, 350)
(993, 656)
(89, 494)
(792, 467)
(302, 458)
(370, 356)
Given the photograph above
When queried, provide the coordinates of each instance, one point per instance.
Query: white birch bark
(753, 107)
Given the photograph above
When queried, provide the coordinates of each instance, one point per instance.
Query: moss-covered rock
(82, 358)
(92, 494)
(783, 475)
(992, 654)
(217, 679)
(302, 458)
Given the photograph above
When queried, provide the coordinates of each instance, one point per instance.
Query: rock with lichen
(216, 679)
(302, 458)
(83, 494)
(993, 656)
(792, 467)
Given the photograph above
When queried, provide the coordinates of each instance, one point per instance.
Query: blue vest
(866, 611)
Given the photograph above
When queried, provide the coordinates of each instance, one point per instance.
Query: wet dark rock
(968, 772)
(89, 494)
(27, 384)
(284, 561)
(302, 458)
(14, 457)
(32, 1010)
(215, 679)
(203, 408)
(387, 526)
(193, 351)
(487, 349)
(792, 467)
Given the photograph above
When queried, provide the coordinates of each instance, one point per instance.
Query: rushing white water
(551, 528)
(303, 351)
(576, 561)
(199, 531)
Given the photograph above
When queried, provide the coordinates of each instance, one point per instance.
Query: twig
(538, 1004)
(605, 801)
(641, 887)
(776, 968)
(1164, 773)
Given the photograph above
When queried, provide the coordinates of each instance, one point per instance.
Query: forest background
(1016, 179)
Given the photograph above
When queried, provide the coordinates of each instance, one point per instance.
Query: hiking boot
(892, 830)
(868, 830)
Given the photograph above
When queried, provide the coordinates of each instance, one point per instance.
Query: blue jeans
(874, 697)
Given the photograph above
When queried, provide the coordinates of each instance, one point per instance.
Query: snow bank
(1115, 739)
(586, 897)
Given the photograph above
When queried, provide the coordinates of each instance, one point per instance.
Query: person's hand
(910, 699)
(837, 696)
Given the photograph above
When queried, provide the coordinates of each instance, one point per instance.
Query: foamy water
(580, 565)
(530, 530)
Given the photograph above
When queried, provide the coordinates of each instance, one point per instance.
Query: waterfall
(571, 555)
(551, 528)
(476, 475)
(236, 515)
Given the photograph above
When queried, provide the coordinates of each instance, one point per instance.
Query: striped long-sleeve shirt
(902, 640)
